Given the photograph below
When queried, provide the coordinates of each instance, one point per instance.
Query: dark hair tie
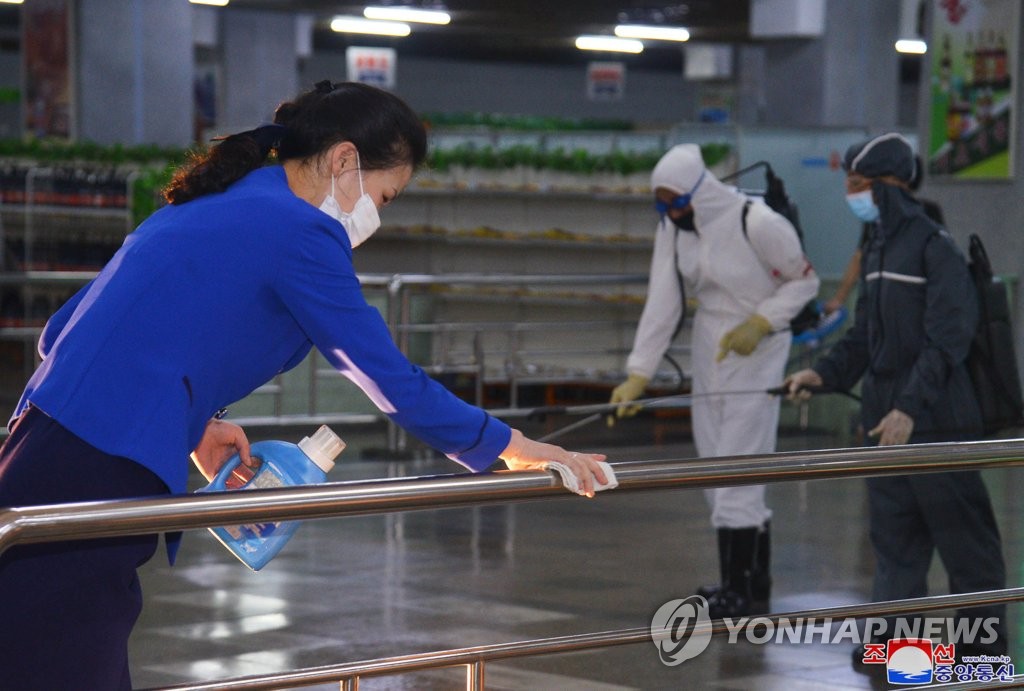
(267, 137)
(324, 87)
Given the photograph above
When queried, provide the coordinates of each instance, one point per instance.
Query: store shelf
(557, 239)
(58, 226)
(589, 193)
(118, 213)
(72, 216)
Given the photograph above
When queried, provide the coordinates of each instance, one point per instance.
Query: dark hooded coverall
(916, 314)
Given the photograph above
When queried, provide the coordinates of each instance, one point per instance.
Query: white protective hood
(680, 169)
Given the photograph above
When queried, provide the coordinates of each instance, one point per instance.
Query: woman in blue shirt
(246, 270)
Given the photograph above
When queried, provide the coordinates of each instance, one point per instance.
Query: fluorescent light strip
(913, 46)
(609, 43)
(407, 14)
(654, 33)
(358, 25)
(12, 2)
(218, 3)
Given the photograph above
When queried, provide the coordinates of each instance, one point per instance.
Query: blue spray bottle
(282, 464)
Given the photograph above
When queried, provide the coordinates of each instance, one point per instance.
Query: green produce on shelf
(519, 155)
(55, 150)
(486, 158)
(528, 166)
(147, 191)
(713, 153)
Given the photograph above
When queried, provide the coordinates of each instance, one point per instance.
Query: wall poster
(606, 81)
(47, 51)
(973, 82)
(374, 66)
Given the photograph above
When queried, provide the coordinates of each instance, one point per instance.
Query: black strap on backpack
(774, 195)
(992, 360)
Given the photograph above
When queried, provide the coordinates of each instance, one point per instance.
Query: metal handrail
(476, 656)
(47, 277)
(398, 307)
(506, 326)
(44, 523)
(140, 516)
(410, 279)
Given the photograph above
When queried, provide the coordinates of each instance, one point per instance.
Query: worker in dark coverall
(916, 314)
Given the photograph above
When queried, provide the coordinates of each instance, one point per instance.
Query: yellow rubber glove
(744, 338)
(629, 390)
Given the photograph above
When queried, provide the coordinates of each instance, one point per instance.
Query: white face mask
(360, 223)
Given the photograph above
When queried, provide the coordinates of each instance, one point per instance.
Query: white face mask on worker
(360, 223)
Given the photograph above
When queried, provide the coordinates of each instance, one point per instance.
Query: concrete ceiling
(530, 30)
(510, 30)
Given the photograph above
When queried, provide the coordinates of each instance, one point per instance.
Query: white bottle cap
(323, 447)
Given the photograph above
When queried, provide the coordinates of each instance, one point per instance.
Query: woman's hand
(526, 454)
(222, 440)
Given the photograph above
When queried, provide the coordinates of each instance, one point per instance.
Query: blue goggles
(680, 202)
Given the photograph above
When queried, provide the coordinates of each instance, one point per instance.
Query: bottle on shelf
(281, 464)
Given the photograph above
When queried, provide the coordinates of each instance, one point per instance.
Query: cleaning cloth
(572, 484)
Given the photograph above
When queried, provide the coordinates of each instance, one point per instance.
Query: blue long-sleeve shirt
(208, 300)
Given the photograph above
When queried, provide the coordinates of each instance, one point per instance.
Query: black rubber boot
(739, 549)
(761, 583)
(761, 579)
(708, 591)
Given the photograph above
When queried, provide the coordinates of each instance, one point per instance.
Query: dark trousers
(67, 608)
(913, 516)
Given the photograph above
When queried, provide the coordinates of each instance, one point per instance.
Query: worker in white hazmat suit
(744, 264)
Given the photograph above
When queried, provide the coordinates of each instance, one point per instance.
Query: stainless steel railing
(19, 525)
(23, 525)
(475, 658)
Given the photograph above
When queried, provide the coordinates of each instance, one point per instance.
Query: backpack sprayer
(599, 410)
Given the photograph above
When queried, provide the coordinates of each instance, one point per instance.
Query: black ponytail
(383, 128)
(231, 159)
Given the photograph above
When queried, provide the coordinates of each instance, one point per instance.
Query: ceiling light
(609, 43)
(407, 14)
(13, 2)
(358, 25)
(914, 46)
(218, 3)
(654, 33)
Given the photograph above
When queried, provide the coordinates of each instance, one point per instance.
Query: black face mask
(684, 222)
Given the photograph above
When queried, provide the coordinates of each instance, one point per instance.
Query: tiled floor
(360, 588)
